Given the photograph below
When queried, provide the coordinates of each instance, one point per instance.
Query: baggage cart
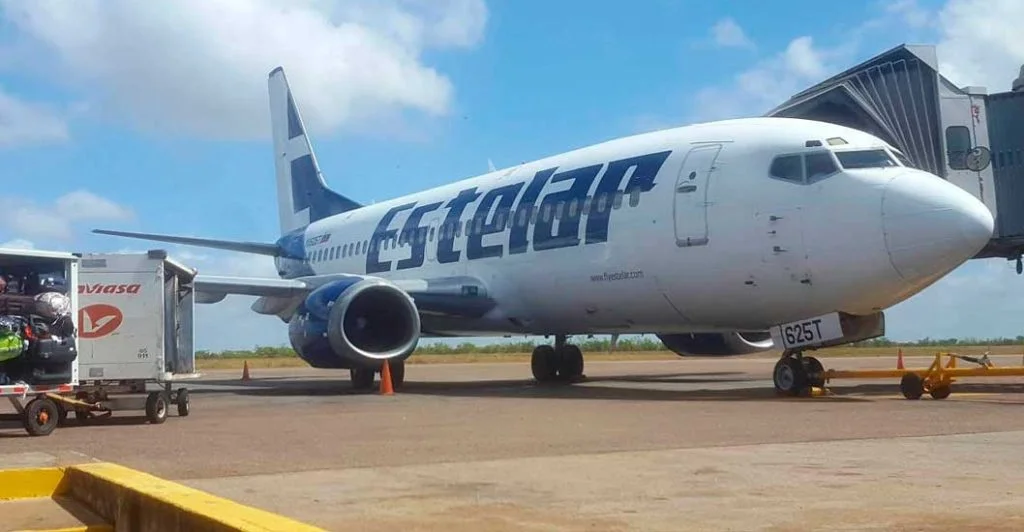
(134, 316)
(44, 370)
(136, 329)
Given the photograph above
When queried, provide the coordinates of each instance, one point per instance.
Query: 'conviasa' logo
(100, 288)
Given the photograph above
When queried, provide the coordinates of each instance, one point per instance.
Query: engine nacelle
(717, 344)
(355, 322)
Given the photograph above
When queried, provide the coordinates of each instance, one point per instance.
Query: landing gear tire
(397, 370)
(790, 376)
(184, 403)
(571, 363)
(912, 386)
(815, 372)
(156, 407)
(41, 416)
(544, 363)
(362, 378)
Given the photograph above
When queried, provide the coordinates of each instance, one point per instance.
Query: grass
(281, 358)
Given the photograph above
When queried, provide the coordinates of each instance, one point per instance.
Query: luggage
(11, 345)
(49, 351)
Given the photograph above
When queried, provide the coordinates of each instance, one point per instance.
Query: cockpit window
(788, 167)
(818, 165)
(865, 159)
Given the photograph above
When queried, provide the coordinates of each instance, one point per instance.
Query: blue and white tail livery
(721, 238)
(302, 195)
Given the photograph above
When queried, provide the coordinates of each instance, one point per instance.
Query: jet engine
(355, 322)
(717, 344)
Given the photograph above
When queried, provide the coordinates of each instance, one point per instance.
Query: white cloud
(200, 66)
(28, 220)
(23, 123)
(979, 42)
(18, 243)
(769, 82)
(728, 34)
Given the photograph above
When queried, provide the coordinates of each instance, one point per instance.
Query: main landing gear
(795, 374)
(363, 378)
(563, 362)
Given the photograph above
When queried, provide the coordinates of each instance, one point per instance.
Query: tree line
(594, 345)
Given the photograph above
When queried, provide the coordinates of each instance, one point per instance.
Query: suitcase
(17, 305)
(54, 350)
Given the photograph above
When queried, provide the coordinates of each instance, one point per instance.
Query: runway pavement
(693, 444)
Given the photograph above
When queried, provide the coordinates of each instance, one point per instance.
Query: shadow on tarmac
(728, 386)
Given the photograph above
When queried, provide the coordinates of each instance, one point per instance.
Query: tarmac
(689, 444)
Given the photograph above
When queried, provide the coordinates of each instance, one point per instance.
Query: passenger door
(691, 195)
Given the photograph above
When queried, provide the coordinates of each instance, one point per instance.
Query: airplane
(721, 238)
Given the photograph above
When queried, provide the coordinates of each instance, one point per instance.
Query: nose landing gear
(795, 374)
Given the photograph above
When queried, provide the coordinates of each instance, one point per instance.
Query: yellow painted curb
(137, 501)
(30, 483)
(145, 502)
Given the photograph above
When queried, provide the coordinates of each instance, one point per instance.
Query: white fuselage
(715, 244)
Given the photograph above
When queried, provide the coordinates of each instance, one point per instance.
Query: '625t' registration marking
(811, 331)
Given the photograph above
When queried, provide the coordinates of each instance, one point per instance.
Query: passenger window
(547, 213)
(818, 165)
(572, 207)
(586, 205)
(788, 167)
(558, 209)
(958, 143)
(602, 203)
(431, 237)
(617, 203)
(522, 218)
(634, 197)
(364, 247)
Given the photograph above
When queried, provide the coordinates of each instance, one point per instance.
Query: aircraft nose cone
(932, 226)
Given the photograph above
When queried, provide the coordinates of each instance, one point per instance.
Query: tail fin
(302, 195)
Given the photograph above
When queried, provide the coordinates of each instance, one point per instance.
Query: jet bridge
(963, 134)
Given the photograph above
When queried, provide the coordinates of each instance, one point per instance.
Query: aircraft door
(691, 195)
(433, 235)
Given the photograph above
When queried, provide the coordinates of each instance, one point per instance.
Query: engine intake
(717, 344)
(365, 320)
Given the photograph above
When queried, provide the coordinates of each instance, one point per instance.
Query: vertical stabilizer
(302, 194)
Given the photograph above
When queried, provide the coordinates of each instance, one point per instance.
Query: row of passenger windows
(503, 219)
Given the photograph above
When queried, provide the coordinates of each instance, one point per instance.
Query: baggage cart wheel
(912, 386)
(81, 415)
(183, 402)
(156, 407)
(941, 391)
(62, 414)
(41, 416)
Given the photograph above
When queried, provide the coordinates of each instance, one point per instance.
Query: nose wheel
(795, 374)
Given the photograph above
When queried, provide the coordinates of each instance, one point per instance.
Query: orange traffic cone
(899, 359)
(385, 380)
(245, 371)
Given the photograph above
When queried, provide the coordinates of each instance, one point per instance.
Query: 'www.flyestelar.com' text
(617, 276)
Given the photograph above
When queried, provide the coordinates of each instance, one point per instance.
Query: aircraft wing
(446, 296)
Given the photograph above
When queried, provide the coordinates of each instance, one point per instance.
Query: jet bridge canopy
(893, 96)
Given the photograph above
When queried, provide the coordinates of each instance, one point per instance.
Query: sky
(153, 116)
